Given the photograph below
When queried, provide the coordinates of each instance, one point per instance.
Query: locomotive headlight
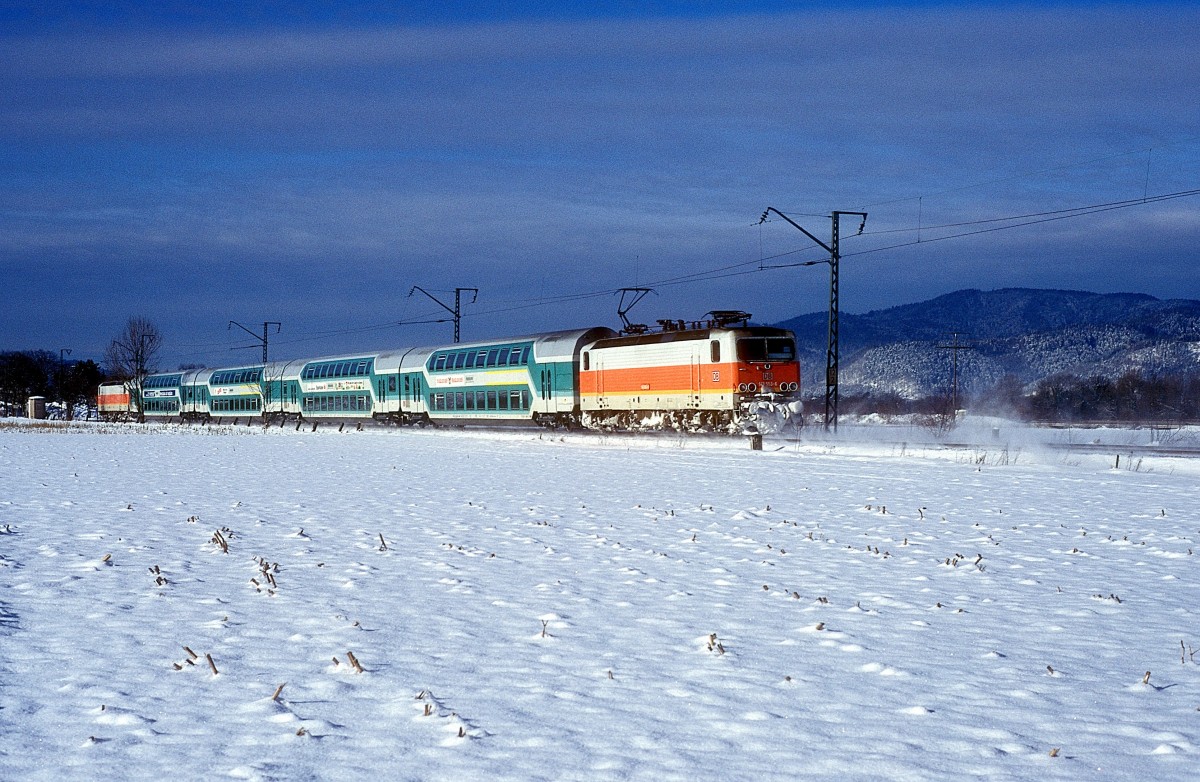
(751, 387)
(741, 388)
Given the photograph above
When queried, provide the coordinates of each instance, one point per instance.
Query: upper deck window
(766, 349)
(336, 369)
(162, 381)
(235, 376)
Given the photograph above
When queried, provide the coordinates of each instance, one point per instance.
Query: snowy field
(460, 606)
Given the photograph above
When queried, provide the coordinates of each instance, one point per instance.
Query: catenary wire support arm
(265, 332)
(831, 354)
(794, 224)
(457, 310)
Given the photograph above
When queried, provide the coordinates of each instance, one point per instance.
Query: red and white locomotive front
(766, 368)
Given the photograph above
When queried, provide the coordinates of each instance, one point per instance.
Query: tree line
(1063, 398)
(130, 356)
(1131, 397)
(43, 373)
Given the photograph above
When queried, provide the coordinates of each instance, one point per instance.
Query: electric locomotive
(719, 374)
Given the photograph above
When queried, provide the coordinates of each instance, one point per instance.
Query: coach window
(491, 356)
(460, 360)
(587, 360)
(715, 349)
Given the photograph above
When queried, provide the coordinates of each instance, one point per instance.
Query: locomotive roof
(685, 335)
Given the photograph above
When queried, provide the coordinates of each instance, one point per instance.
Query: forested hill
(1029, 333)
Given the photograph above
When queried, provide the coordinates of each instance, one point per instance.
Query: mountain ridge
(1028, 333)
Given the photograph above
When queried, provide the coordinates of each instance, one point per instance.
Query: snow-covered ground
(570, 607)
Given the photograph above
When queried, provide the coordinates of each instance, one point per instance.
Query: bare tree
(132, 355)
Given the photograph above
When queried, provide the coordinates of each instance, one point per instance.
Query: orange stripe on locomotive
(112, 403)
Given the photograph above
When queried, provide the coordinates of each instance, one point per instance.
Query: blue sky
(201, 163)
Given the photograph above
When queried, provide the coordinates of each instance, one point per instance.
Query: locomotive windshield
(766, 349)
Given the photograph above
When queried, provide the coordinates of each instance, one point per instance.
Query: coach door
(546, 387)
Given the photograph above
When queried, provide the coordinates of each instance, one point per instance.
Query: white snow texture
(460, 605)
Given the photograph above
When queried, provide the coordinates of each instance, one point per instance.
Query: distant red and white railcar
(113, 401)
